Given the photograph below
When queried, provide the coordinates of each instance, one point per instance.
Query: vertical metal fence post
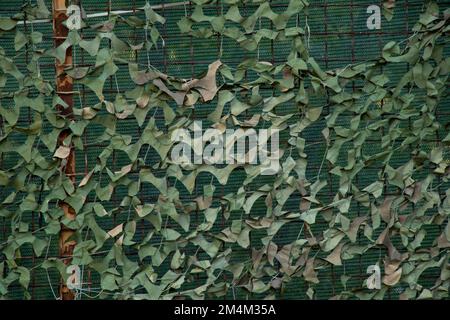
(64, 87)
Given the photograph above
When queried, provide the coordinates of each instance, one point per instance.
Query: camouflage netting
(365, 142)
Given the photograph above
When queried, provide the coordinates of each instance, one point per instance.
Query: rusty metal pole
(64, 87)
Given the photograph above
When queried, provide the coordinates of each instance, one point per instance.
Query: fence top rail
(116, 12)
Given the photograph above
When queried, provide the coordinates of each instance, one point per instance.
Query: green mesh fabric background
(338, 36)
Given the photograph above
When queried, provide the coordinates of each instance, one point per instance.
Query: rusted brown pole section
(64, 86)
